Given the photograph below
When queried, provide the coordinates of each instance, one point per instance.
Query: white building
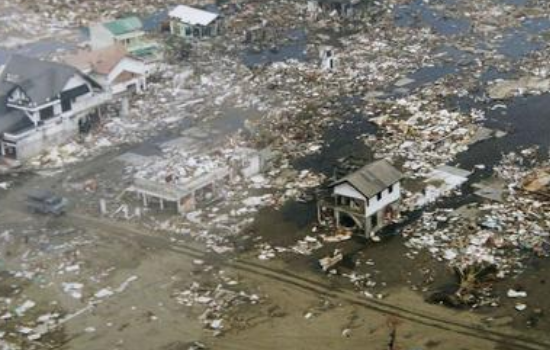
(43, 104)
(189, 22)
(367, 199)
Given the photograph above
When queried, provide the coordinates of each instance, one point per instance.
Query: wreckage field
(316, 174)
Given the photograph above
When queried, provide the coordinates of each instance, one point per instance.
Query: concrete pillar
(179, 206)
(124, 106)
(125, 212)
(102, 206)
(145, 200)
(161, 204)
(337, 214)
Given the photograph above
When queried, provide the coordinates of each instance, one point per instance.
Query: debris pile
(495, 234)
(215, 303)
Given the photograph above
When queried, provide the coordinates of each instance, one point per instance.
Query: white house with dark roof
(367, 199)
(43, 104)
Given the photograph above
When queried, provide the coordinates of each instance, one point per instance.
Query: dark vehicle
(45, 202)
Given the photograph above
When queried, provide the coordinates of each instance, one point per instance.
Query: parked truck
(46, 202)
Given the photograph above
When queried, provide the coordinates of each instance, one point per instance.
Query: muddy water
(340, 140)
(527, 120)
(295, 49)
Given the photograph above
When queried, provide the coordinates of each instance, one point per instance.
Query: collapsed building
(341, 8)
(189, 182)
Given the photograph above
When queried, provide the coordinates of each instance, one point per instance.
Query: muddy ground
(115, 284)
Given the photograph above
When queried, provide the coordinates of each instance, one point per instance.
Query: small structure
(113, 68)
(367, 199)
(200, 189)
(328, 58)
(43, 104)
(200, 182)
(189, 22)
(249, 162)
(128, 33)
(340, 8)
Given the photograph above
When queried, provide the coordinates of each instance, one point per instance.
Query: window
(46, 113)
(374, 221)
(66, 105)
(379, 196)
(390, 189)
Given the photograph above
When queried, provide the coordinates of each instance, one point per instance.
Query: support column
(125, 106)
(178, 203)
(145, 200)
(161, 204)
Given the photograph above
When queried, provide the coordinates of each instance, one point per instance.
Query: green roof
(124, 25)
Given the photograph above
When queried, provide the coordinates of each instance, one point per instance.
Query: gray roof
(40, 80)
(373, 178)
(13, 121)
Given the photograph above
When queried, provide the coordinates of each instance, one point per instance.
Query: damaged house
(113, 68)
(189, 22)
(186, 182)
(42, 104)
(367, 199)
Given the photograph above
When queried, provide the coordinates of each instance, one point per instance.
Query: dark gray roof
(373, 178)
(13, 121)
(40, 80)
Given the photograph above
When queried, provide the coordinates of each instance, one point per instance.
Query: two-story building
(367, 199)
(43, 104)
(126, 32)
(113, 68)
(189, 22)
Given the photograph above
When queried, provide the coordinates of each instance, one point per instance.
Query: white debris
(104, 293)
(27, 305)
(73, 289)
(516, 294)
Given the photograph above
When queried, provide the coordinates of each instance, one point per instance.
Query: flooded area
(294, 49)
(317, 175)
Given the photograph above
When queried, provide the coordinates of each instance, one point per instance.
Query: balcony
(88, 104)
